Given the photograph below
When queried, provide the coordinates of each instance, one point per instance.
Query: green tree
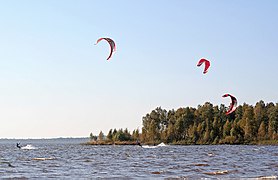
(92, 137)
(207, 136)
(262, 131)
(237, 133)
(170, 133)
(249, 123)
(179, 129)
(153, 125)
(248, 130)
(114, 133)
(216, 128)
(110, 135)
(260, 114)
(127, 135)
(238, 113)
(273, 122)
(101, 136)
(226, 129)
(135, 134)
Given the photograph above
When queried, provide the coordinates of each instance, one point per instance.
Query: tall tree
(110, 135)
(250, 125)
(260, 114)
(262, 131)
(101, 136)
(135, 134)
(273, 122)
(226, 129)
(248, 130)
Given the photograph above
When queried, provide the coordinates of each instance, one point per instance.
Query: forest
(206, 124)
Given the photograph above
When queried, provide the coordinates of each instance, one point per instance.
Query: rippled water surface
(69, 159)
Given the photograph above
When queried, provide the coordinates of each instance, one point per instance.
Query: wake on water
(159, 145)
(28, 147)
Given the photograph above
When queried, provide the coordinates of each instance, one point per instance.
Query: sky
(54, 82)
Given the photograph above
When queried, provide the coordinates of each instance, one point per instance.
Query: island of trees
(206, 124)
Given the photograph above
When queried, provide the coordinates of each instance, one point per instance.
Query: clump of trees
(122, 135)
(116, 136)
(208, 124)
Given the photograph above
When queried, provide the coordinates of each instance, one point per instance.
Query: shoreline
(258, 143)
(110, 143)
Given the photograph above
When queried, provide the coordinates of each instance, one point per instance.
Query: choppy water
(68, 159)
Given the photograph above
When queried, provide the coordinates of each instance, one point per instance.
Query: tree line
(206, 124)
(117, 135)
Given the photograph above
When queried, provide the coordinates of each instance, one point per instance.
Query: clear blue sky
(54, 82)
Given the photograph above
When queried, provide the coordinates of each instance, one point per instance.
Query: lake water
(67, 159)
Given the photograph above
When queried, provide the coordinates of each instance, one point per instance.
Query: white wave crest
(28, 147)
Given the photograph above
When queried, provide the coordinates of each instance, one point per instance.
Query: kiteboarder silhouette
(138, 143)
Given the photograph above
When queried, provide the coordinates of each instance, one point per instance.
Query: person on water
(18, 145)
(138, 143)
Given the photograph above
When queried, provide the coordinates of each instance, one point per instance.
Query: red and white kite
(207, 64)
(233, 104)
(112, 45)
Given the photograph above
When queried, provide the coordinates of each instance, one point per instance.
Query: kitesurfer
(138, 143)
(18, 145)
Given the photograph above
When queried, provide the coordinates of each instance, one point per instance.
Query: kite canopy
(233, 104)
(112, 45)
(207, 64)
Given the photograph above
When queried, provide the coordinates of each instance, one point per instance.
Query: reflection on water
(72, 160)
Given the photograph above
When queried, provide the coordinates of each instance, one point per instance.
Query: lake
(67, 158)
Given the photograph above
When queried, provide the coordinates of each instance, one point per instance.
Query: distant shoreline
(110, 143)
(267, 142)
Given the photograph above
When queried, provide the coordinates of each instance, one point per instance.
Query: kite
(233, 104)
(111, 43)
(207, 64)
